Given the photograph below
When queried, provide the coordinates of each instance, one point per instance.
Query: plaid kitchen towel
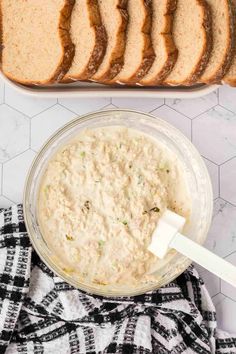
(39, 313)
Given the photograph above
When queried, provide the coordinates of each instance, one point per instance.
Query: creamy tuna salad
(100, 199)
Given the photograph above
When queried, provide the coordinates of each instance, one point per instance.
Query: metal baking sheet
(90, 90)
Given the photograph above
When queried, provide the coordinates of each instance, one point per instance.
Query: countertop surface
(210, 122)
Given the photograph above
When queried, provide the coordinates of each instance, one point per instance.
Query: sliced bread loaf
(89, 36)
(115, 27)
(139, 54)
(223, 41)
(162, 41)
(192, 36)
(36, 45)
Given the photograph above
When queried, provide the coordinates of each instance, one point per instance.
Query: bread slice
(115, 26)
(36, 45)
(139, 53)
(230, 77)
(162, 40)
(223, 41)
(90, 39)
(193, 38)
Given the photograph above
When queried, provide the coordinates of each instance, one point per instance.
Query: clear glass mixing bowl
(197, 178)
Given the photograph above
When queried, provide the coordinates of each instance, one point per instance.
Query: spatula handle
(205, 258)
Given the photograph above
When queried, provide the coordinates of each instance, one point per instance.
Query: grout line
(216, 295)
(44, 110)
(227, 109)
(12, 158)
(228, 255)
(206, 158)
(228, 297)
(10, 200)
(180, 113)
(223, 163)
(226, 201)
(17, 110)
(155, 109)
(207, 110)
(70, 110)
(219, 186)
(214, 163)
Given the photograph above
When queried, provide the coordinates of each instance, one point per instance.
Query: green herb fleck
(145, 212)
(101, 243)
(130, 165)
(124, 222)
(155, 209)
(69, 237)
(82, 154)
(46, 189)
(167, 171)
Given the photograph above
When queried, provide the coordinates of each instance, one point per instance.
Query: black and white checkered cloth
(39, 313)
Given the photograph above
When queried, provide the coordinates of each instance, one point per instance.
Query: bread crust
(66, 43)
(117, 56)
(231, 80)
(172, 52)
(206, 48)
(225, 66)
(99, 48)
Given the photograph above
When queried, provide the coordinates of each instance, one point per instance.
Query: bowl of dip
(94, 195)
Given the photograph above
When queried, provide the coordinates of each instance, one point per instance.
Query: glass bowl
(197, 179)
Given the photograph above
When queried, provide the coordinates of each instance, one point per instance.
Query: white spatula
(168, 235)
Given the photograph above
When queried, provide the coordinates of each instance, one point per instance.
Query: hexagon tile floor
(210, 122)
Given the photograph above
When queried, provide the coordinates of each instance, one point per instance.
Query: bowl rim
(54, 137)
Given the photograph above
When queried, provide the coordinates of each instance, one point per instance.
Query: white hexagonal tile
(222, 235)
(139, 103)
(213, 170)
(84, 105)
(14, 174)
(1, 91)
(211, 281)
(14, 133)
(46, 123)
(178, 120)
(26, 104)
(227, 181)
(225, 311)
(227, 97)
(193, 107)
(226, 288)
(214, 134)
(4, 202)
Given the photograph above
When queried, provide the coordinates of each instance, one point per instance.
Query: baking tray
(90, 90)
